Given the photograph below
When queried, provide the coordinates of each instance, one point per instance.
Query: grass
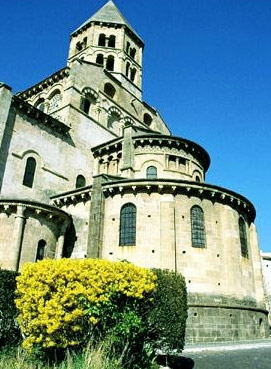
(90, 359)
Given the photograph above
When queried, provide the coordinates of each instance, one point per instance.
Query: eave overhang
(210, 192)
(39, 116)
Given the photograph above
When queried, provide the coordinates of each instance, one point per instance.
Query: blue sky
(207, 70)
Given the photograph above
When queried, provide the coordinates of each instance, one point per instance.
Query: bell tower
(108, 40)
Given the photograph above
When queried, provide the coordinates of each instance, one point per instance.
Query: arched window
(29, 172)
(127, 234)
(110, 63)
(40, 250)
(151, 172)
(85, 105)
(40, 104)
(197, 227)
(112, 41)
(147, 119)
(54, 101)
(133, 74)
(101, 41)
(243, 237)
(128, 46)
(127, 69)
(80, 181)
(100, 59)
(132, 53)
(109, 90)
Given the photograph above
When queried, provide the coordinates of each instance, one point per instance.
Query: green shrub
(167, 319)
(132, 312)
(9, 330)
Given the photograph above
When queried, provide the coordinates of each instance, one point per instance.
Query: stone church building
(90, 170)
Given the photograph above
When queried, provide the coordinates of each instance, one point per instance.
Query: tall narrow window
(40, 250)
(127, 235)
(243, 237)
(151, 172)
(127, 69)
(100, 59)
(133, 53)
(110, 63)
(128, 46)
(29, 172)
(80, 181)
(133, 74)
(197, 227)
(101, 41)
(85, 105)
(112, 41)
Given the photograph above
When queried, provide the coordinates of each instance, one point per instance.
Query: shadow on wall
(69, 242)
(175, 362)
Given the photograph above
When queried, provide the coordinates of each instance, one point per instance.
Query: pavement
(232, 355)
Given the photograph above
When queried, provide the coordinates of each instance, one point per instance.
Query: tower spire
(108, 40)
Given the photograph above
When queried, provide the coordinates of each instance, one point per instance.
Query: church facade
(88, 169)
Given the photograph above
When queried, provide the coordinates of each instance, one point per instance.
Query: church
(90, 170)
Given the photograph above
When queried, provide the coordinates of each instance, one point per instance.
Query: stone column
(20, 221)
(61, 240)
(128, 154)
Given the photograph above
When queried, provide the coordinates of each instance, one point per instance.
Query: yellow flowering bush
(65, 303)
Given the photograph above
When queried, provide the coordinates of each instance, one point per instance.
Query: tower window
(127, 69)
(110, 63)
(101, 41)
(127, 234)
(197, 227)
(147, 119)
(151, 172)
(133, 74)
(109, 90)
(100, 59)
(40, 250)
(29, 172)
(112, 41)
(40, 104)
(79, 46)
(128, 47)
(80, 181)
(243, 237)
(132, 53)
(85, 105)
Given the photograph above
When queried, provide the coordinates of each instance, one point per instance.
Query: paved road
(254, 355)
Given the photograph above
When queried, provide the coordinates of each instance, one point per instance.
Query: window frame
(198, 232)
(151, 172)
(29, 172)
(127, 228)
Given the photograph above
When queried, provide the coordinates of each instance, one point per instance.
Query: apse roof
(109, 13)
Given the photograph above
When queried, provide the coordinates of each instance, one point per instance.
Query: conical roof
(109, 13)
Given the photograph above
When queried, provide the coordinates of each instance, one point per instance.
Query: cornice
(72, 197)
(49, 81)
(175, 187)
(158, 140)
(175, 142)
(41, 117)
(9, 206)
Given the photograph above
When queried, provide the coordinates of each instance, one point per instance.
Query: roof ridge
(108, 13)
